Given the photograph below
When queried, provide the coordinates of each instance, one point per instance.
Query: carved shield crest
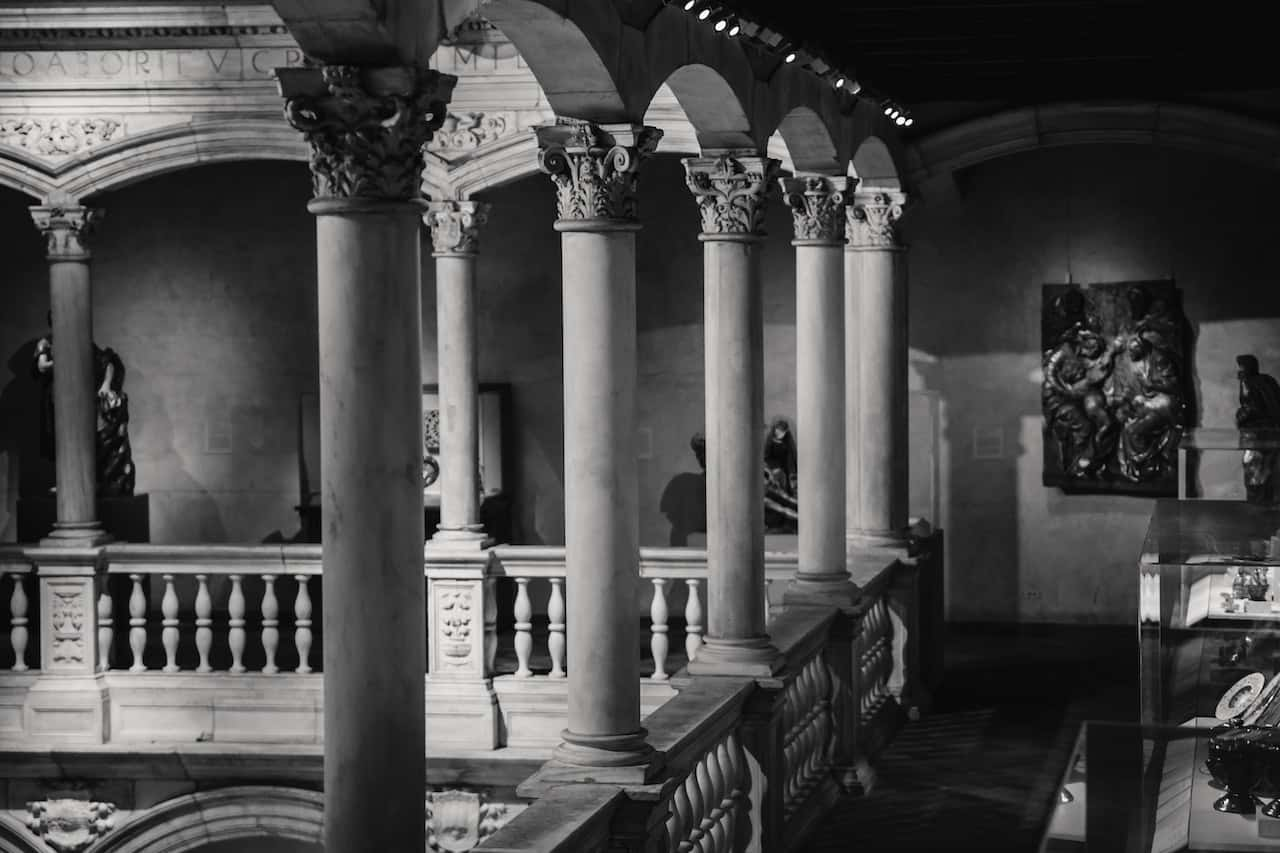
(68, 825)
(453, 821)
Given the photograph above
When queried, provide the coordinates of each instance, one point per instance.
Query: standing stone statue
(1258, 417)
(115, 471)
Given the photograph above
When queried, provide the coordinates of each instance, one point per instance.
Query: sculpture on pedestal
(1258, 415)
(115, 471)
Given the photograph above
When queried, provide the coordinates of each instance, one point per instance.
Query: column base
(623, 756)
(755, 657)
(821, 591)
(78, 534)
(862, 539)
(460, 540)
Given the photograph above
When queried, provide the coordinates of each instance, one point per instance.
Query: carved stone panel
(457, 628)
(55, 138)
(67, 603)
(67, 825)
(1115, 390)
(458, 821)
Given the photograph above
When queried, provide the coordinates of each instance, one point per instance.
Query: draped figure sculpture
(781, 504)
(1258, 417)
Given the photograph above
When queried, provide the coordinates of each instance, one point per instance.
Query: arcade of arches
(626, 243)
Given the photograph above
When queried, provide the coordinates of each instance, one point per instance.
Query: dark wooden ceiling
(1026, 51)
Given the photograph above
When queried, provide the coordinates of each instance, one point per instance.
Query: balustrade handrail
(283, 559)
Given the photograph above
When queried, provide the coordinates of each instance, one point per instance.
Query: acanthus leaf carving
(873, 218)
(817, 205)
(57, 137)
(463, 132)
(66, 229)
(67, 618)
(367, 127)
(595, 170)
(455, 226)
(70, 825)
(731, 192)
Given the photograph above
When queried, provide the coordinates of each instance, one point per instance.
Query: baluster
(204, 622)
(736, 798)
(235, 613)
(169, 623)
(490, 624)
(270, 624)
(694, 825)
(524, 628)
(106, 631)
(679, 821)
(302, 623)
(659, 643)
(556, 617)
(692, 620)
(18, 634)
(716, 791)
(137, 624)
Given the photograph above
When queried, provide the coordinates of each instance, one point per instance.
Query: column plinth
(817, 205)
(731, 192)
(876, 371)
(366, 128)
(594, 170)
(455, 228)
(67, 228)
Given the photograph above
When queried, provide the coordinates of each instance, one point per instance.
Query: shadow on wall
(23, 471)
(183, 508)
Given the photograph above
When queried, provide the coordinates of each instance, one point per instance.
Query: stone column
(876, 371)
(594, 169)
(731, 195)
(66, 228)
(367, 128)
(455, 231)
(817, 205)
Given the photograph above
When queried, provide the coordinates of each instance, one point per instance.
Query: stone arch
(506, 161)
(873, 165)
(567, 65)
(712, 106)
(192, 821)
(1172, 125)
(809, 142)
(22, 173)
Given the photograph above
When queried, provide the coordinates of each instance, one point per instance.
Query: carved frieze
(69, 825)
(817, 205)
(55, 138)
(595, 170)
(873, 218)
(458, 821)
(455, 226)
(731, 192)
(367, 127)
(68, 614)
(66, 229)
(463, 132)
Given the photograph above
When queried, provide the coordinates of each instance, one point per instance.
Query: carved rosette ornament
(731, 192)
(595, 169)
(873, 219)
(68, 825)
(367, 127)
(66, 229)
(455, 226)
(817, 205)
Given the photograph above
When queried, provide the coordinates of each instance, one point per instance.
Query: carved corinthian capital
(817, 206)
(366, 126)
(455, 226)
(731, 192)
(595, 169)
(873, 218)
(66, 230)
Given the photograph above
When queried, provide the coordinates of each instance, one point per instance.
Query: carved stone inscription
(70, 67)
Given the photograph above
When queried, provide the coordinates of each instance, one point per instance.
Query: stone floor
(980, 772)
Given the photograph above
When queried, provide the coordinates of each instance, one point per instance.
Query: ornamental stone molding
(461, 133)
(731, 192)
(873, 219)
(66, 229)
(455, 226)
(595, 168)
(69, 825)
(367, 127)
(56, 138)
(817, 205)
(458, 821)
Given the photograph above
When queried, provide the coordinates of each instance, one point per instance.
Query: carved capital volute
(455, 226)
(817, 206)
(367, 127)
(731, 191)
(66, 229)
(872, 219)
(595, 168)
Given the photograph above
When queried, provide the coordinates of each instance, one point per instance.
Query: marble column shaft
(731, 192)
(594, 170)
(817, 204)
(66, 229)
(455, 227)
(366, 128)
(876, 368)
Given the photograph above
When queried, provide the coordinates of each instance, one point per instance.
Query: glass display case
(1208, 611)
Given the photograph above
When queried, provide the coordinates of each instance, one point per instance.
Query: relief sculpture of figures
(1258, 417)
(1113, 388)
(115, 471)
